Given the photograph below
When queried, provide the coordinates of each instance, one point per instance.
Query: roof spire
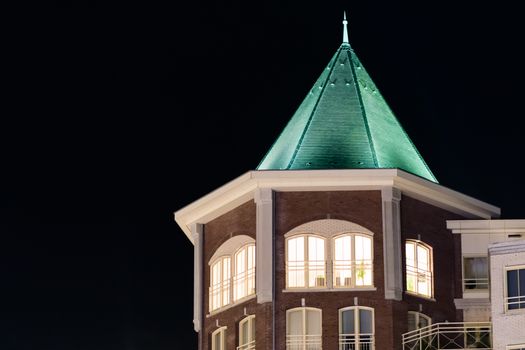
(345, 31)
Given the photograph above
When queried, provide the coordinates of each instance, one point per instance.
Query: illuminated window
(244, 277)
(352, 261)
(515, 288)
(303, 329)
(356, 328)
(475, 273)
(218, 339)
(418, 320)
(419, 268)
(247, 333)
(306, 262)
(220, 283)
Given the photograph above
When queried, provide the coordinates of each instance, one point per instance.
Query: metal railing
(473, 284)
(304, 342)
(311, 273)
(247, 346)
(348, 273)
(514, 303)
(219, 294)
(363, 341)
(244, 284)
(450, 335)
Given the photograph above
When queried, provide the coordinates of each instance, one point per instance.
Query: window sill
(229, 306)
(310, 290)
(419, 296)
(514, 312)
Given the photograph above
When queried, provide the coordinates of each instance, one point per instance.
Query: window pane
(363, 261)
(423, 321)
(296, 264)
(412, 321)
(313, 322)
(295, 323)
(316, 262)
(342, 261)
(252, 329)
(347, 322)
(244, 333)
(476, 273)
(226, 281)
(365, 321)
(409, 250)
(422, 258)
(512, 283)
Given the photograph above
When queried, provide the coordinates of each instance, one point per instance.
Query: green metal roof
(344, 123)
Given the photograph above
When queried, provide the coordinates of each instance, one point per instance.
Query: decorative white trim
(391, 197)
(264, 247)
(243, 188)
(487, 226)
(197, 232)
(472, 303)
(514, 246)
(230, 247)
(328, 228)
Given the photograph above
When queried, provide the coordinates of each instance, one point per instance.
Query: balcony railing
(453, 335)
(517, 302)
(475, 284)
(304, 342)
(247, 346)
(356, 341)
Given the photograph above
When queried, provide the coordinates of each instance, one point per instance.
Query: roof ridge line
(313, 110)
(363, 111)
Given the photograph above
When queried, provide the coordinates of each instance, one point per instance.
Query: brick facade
(360, 207)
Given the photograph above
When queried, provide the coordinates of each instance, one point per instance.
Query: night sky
(115, 116)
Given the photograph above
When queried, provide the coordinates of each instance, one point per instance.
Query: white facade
(502, 243)
(508, 324)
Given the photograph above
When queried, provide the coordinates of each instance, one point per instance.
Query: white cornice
(241, 189)
(486, 226)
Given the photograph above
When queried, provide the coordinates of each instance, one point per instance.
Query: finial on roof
(345, 31)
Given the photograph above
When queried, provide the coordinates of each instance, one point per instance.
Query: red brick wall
(361, 207)
(430, 223)
(239, 221)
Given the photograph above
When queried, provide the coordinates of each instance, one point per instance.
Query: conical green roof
(344, 123)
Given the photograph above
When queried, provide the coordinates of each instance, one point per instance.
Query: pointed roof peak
(345, 30)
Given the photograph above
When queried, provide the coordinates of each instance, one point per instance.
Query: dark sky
(115, 116)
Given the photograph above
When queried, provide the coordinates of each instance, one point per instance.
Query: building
(343, 239)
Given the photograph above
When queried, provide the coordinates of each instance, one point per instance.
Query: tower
(338, 240)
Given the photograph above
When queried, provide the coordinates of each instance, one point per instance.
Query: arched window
(306, 262)
(247, 333)
(352, 261)
(244, 275)
(419, 268)
(220, 283)
(418, 320)
(232, 272)
(356, 328)
(218, 339)
(304, 329)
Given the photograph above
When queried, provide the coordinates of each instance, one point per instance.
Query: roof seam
(313, 110)
(363, 111)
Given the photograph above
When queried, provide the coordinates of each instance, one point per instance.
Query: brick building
(343, 238)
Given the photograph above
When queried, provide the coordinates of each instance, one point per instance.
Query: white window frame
(475, 290)
(223, 285)
(506, 287)
(429, 275)
(357, 330)
(306, 261)
(222, 331)
(248, 275)
(306, 342)
(352, 263)
(251, 325)
(418, 316)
